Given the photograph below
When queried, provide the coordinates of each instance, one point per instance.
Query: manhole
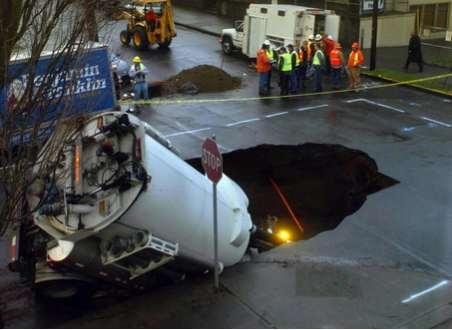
(303, 189)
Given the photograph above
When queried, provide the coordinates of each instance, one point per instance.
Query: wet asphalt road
(387, 265)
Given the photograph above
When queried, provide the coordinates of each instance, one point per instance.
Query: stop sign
(212, 161)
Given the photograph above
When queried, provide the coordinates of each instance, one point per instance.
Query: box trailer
(280, 24)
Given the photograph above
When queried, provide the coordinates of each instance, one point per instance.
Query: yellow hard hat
(136, 59)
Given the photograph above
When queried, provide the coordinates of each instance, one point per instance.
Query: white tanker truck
(124, 205)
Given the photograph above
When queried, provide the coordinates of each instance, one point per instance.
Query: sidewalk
(391, 58)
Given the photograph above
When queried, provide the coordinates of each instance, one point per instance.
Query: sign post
(212, 162)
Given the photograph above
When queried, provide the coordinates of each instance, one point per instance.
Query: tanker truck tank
(124, 204)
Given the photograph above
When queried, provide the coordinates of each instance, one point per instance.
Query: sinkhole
(303, 189)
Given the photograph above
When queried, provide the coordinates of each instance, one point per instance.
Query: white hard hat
(311, 37)
(330, 37)
(267, 43)
(318, 37)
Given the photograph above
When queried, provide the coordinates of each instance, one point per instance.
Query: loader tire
(227, 45)
(165, 45)
(139, 38)
(124, 37)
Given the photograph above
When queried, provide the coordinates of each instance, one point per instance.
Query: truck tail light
(138, 148)
(77, 163)
(100, 122)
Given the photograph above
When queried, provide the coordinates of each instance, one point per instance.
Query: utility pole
(373, 47)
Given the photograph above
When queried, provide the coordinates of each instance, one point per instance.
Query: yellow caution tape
(161, 101)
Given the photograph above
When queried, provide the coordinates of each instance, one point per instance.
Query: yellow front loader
(144, 32)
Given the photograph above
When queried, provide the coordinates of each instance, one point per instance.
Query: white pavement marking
(447, 101)
(188, 132)
(192, 133)
(277, 114)
(377, 104)
(242, 122)
(436, 121)
(417, 295)
(313, 107)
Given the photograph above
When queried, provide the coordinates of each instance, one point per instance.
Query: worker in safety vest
(138, 74)
(328, 46)
(355, 59)
(310, 48)
(273, 57)
(285, 70)
(264, 67)
(293, 85)
(337, 63)
(303, 57)
(318, 62)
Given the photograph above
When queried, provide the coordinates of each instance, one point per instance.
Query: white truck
(123, 205)
(280, 24)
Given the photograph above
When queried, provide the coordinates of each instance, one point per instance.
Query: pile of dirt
(201, 79)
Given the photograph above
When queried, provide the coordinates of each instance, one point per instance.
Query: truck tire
(124, 37)
(165, 45)
(139, 38)
(227, 45)
(64, 290)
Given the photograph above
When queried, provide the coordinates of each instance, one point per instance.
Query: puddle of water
(317, 185)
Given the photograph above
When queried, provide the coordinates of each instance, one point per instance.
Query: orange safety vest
(300, 55)
(263, 63)
(309, 50)
(356, 58)
(335, 58)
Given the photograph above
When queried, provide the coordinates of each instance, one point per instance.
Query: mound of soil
(201, 79)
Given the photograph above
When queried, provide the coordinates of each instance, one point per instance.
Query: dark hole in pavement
(321, 183)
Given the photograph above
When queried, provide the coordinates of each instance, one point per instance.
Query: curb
(420, 88)
(191, 27)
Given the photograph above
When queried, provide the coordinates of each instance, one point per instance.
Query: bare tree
(30, 28)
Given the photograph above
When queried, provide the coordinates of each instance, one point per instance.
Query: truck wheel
(165, 45)
(226, 45)
(139, 38)
(64, 289)
(124, 37)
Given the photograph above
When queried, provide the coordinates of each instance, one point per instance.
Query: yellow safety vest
(270, 54)
(287, 64)
(316, 58)
(297, 58)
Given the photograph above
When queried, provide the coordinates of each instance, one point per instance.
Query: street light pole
(373, 47)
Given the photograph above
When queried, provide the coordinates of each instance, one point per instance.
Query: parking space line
(188, 132)
(277, 114)
(436, 121)
(242, 122)
(385, 106)
(313, 107)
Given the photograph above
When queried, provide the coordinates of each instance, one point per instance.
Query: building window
(429, 15)
(281, 13)
(442, 13)
(432, 16)
(263, 10)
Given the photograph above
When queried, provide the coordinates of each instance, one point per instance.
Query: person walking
(355, 59)
(318, 62)
(264, 67)
(414, 52)
(285, 70)
(294, 87)
(337, 64)
(303, 56)
(138, 73)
